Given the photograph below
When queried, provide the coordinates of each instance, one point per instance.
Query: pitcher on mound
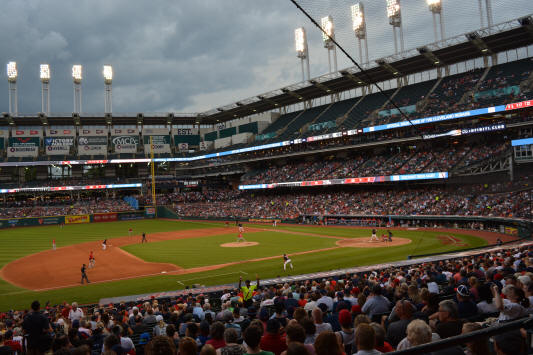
(240, 238)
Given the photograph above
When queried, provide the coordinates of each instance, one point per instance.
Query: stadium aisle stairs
(292, 130)
(369, 104)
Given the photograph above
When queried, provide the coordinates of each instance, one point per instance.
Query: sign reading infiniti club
(92, 145)
(125, 144)
(23, 147)
(61, 146)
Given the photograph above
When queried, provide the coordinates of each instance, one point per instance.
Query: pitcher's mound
(238, 244)
(365, 243)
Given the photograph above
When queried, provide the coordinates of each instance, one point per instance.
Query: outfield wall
(74, 219)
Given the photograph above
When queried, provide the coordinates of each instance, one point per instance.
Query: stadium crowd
(372, 312)
(468, 201)
(62, 205)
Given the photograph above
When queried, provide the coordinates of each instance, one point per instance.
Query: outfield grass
(15, 243)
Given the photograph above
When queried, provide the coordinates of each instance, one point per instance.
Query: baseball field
(181, 253)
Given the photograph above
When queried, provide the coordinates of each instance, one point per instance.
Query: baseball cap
(159, 318)
(524, 280)
(463, 291)
(345, 318)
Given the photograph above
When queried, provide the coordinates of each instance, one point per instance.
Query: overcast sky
(192, 56)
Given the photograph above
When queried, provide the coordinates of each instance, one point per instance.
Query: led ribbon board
(348, 181)
(69, 188)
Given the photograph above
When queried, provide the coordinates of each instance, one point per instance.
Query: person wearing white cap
(160, 327)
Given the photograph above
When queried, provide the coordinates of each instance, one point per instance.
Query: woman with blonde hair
(480, 346)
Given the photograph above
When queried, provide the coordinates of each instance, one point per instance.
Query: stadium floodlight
(77, 73)
(300, 39)
(328, 34)
(12, 75)
(393, 8)
(108, 79)
(45, 72)
(328, 30)
(435, 6)
(359, 27)
(12, 72)
(77, 76)
(45, 88)
(394, 14)
(108, 73)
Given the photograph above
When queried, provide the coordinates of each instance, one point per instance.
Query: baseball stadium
(381, 204)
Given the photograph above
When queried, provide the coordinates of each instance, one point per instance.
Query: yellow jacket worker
(248, 291)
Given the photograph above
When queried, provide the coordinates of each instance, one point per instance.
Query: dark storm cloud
(191, 55)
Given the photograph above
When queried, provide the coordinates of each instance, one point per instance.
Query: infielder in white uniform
(286, 261)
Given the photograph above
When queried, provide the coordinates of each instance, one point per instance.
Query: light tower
(302, 50)
(328, 35)
(77, 76)
(359, 27)
(108, 80)
(488, 7)
(45, 85)
(12, 75)
(435, 6)
(395, 19)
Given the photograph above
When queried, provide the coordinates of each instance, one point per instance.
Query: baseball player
(286, 261)
(241, 228)
(240, 238)
(130, 231)
(144, 238)
(84, 275)
(374, 236)
(104, 244)
(92, 261)
(53, 244)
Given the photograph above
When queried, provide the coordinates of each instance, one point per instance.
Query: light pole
(435, 6)
(108, 80)
(359, 28)
(77, 76)
(302, 50)
(45, 88)
(327, 35)
(12, 75)
(395, 19)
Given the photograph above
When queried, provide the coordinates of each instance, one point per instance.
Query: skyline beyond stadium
(194, 57)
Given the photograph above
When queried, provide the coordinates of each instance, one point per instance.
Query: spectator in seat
(365, 339)
(160, 345)
(327, 344)
(418, 333)
(346, 334)
(514, 306)
(252, 338)
(272, 340)
(217, 335)
(479, 346)
(510, 343)
(296, 334)
(381, 344)
(310, 330)
(465, 306)
(398, 330)
(446, 321)
(319, 323)
(376, 303)
(232, 348)
(37, 330)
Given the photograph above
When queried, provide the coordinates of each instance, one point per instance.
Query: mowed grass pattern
(189, 253)
(15, 243)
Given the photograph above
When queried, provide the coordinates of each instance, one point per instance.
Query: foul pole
(153, 175)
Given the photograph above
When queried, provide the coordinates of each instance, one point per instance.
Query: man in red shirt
(8, 341)
(273, 340)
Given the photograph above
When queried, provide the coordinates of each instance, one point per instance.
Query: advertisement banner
(93, 131)
(20, 132)
(183, 147)
(124, 132)
(185, 131)
(125, 144)
(92, 145)
(128, 216)
(161, 144)
(84, 218)
(23, 147)
(61, 146)
(105, 217)
(64, 132)
(31, 221)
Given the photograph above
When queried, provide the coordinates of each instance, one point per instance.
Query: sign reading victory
(58, 146)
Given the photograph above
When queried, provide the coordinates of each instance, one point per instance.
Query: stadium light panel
(357, 17)
(393, 8)
(45, 72)
(327, 27)
(433, 2)
(299, 38)
(435, 5)
(108, 73)
(12, 72)
(77, 73)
